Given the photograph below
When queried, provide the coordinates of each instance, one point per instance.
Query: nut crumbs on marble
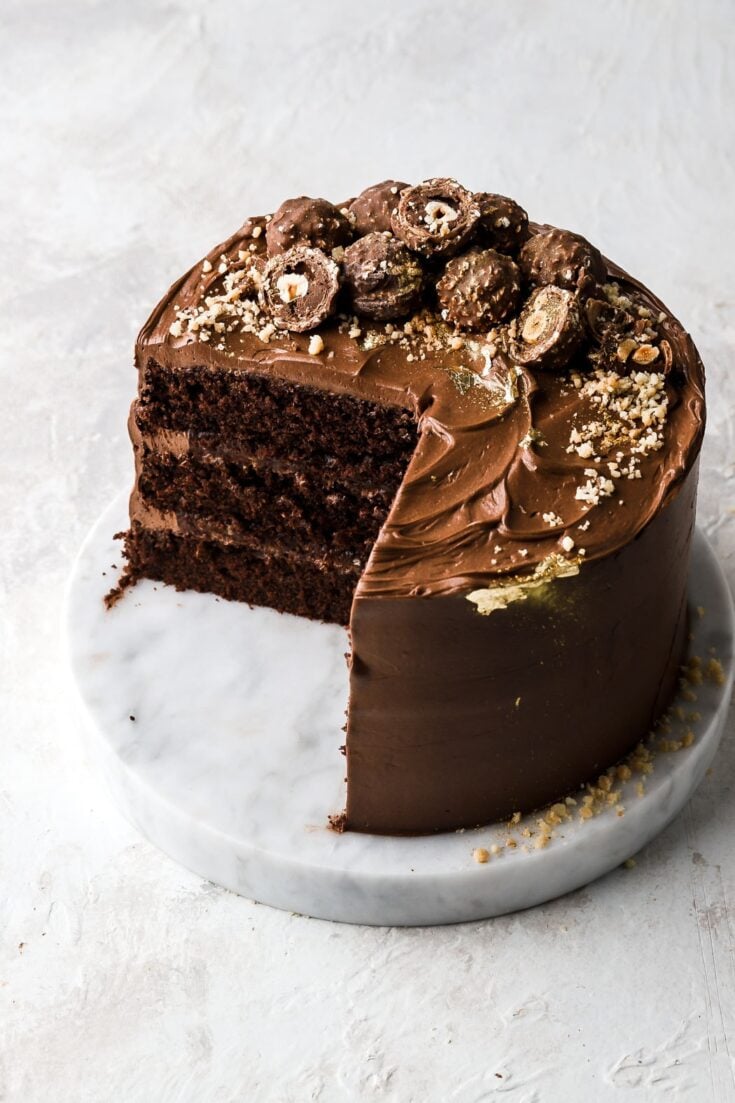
(714, 672)
(605, 792)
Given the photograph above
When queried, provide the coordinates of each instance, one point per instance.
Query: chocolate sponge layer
(294, 420)
(290, 584)
(298, 511)
(259, 489)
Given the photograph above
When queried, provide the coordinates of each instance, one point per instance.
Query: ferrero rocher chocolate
(479, 289)
(373, 209)
(299, 288)
(503, 223)
(559, 257)
(383, 278)
(435, 218)
(305, 221)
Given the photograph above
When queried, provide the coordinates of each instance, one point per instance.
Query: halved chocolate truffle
(299, 288)
(435, 218)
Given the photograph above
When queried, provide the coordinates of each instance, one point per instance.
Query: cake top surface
(559, 403)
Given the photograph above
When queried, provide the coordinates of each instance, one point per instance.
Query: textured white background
(132, 136)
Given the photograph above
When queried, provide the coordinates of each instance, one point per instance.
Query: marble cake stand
(217, 728)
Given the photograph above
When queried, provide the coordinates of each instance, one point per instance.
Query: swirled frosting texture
(495, 486)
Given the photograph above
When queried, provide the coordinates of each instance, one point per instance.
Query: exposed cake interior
(262, 490)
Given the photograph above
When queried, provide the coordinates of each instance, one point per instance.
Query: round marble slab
(218, 728)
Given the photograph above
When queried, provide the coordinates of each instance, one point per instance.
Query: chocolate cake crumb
(126, 580)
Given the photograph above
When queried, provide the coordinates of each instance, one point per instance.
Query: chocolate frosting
(492, 456)
(458, 718)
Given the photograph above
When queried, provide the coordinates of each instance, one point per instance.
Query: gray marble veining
(217, 727)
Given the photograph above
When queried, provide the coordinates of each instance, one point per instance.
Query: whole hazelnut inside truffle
(549, 330)
(435, 218)
(299, 288)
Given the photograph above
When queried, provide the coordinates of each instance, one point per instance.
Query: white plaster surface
(132, 136)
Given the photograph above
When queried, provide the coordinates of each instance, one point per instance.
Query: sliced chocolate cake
(470, 438)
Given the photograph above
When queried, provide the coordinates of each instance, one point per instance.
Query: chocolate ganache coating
(520, 620)
(435, 218)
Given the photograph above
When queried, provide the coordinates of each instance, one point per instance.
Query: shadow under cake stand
(218, 726)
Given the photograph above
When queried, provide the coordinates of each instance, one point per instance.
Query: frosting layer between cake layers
(519, 605)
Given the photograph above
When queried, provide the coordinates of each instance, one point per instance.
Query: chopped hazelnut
(646, 354)
(625, 348)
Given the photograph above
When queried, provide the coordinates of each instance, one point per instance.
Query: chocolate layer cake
(470, 438)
